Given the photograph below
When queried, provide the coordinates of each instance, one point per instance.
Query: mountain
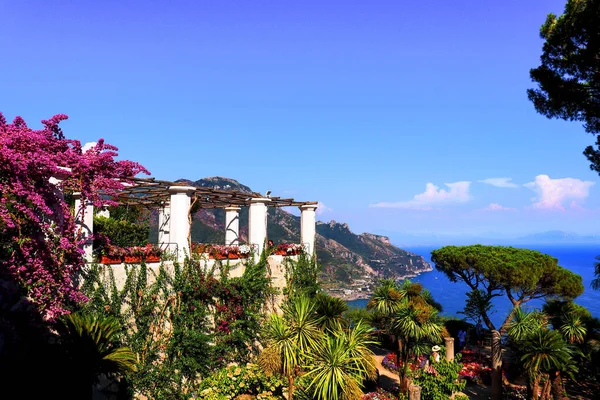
(350, 262)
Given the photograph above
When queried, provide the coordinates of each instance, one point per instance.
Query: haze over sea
(577, 258)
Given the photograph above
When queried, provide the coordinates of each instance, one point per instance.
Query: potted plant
(134, 254)
(152, 253)
(111, 255)
(244, 251)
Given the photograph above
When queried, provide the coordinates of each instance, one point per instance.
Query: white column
(257, 223)
(57, 180)
(180, 225)
(232, 225)
(103, 212)
(308, 227)
(84, 217)
(164, 227)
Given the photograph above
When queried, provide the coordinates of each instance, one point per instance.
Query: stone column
(84, 218)
(449, 342)
(164, 227)
(180, 225)
(414, 392)
(257, 223)
(308, 227)
(232, 225)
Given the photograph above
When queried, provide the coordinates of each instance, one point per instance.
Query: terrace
(174, 202)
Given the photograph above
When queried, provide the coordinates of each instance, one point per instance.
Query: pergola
(174, 200)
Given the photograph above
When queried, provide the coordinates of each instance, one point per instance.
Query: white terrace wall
(276, 269)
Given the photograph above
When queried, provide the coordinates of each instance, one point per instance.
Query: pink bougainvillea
(39, 245)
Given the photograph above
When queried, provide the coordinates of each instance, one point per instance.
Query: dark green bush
(120, 232)
(440, 380)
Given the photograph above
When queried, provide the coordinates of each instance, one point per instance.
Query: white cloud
(500, 182)
(497, 207)
(457, 192)
(88, 146)
(322, 209)
(553, 193)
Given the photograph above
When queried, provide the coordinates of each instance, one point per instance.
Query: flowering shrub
(235, 380)
(439, 380)
(40, 244)
(512, 392)
(380, 394)
(220, 252)
(142, 252)
(289, 249)
(475, 372)
(389, 362)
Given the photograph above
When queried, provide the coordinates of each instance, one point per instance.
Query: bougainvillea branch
(39, 248)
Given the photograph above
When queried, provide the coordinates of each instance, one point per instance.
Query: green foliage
(182, 324)
(89, 347)
(440, 381)
(320, 361)
(521, 274)
(596, 281)
(227, 383)
(568, 84)
(355, 315)
(478, 303)
(301, 276)
(409, 313)
(120, 232)
(331, 311)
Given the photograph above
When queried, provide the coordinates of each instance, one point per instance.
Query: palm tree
(340, 364)
(331, 312)
(90, 347)
(290, 338)
(386, 298)
(417, 325)
(546, 351)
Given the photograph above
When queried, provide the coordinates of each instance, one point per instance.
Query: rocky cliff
(349, 261)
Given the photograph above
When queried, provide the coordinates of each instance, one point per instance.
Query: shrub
(234, 380)
(120, 233)
(439, 380)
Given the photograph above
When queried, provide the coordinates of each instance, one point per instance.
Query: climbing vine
(183, 322)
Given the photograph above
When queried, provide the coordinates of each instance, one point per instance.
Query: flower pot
(110, 260)
(232, 256)
(281, 253)
(152, 258)
(133, 259)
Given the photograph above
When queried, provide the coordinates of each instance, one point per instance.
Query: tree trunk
(558, 390)
(496, 366)
(290, 387)
(398, 350)
(534, 388)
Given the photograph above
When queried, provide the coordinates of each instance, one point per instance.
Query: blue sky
(389, 113)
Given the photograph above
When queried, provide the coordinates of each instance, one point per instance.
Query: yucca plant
(331, 312)
(289, 338)
(340, 364)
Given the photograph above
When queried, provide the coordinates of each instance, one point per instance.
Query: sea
(577, 258)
